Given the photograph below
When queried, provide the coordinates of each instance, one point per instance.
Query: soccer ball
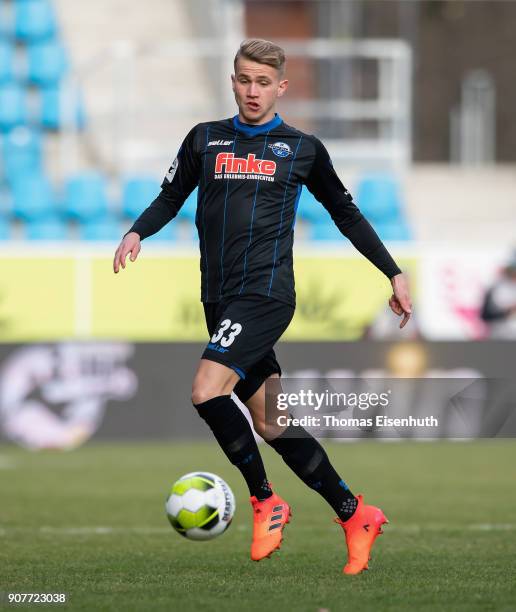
(200, 506)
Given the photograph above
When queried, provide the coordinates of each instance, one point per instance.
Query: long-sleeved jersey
(250, 180)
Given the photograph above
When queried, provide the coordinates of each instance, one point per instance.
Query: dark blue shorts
(243, 331)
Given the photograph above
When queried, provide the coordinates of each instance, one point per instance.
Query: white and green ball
(200, 506)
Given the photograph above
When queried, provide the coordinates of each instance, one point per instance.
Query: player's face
(256, 87)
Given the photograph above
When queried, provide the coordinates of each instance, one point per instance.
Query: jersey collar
(254, 130)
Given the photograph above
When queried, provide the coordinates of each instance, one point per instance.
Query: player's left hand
(400, 301)
(130, 245)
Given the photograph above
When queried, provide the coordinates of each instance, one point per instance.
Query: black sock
(307, 458)
(234, 434)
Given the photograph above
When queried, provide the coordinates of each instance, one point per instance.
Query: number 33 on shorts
(226, 340)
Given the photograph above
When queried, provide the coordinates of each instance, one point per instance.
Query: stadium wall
(71, 293)
(60, 395)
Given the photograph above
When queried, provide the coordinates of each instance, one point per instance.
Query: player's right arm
(179, 182)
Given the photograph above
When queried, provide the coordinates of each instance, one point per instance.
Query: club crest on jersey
(230, 167)
(281, 149)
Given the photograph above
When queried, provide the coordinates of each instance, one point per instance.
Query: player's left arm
(326, 186)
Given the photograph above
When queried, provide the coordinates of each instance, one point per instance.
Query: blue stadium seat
(48, 62)
(13, 106)
(138, 193)
(54, 115)
(378, 197)
(166, 234)
(189, 208)
(51, 228)
(85, 196)
(325, 230)
(309, 209)
(21, 153)
(33, 198)
(6, 61)
(5, 229)
(107, 228)
(34, 20)
(6, 20)
(396, 231)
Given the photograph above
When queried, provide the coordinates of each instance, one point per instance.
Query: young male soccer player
(250, 170)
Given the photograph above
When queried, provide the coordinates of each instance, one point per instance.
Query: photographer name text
(380, 420)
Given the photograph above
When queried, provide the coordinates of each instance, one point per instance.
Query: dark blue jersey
(250, 179)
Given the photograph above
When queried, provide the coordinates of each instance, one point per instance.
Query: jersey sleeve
(179, 182)
(328, 189)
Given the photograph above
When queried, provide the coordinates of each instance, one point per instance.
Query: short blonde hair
(263, 52)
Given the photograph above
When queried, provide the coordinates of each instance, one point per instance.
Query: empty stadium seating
(170, 233)
(20, 153)
(379, 199)
(33, 66)
(47, 62)
(138, 193)
(54, 115)
(36, 101)
(308, 208)
(6, 62)
(13, 106)
(104, 228)
(33, 198)
(5, 229)
(34, 20)
(86, 197)
(50, 228)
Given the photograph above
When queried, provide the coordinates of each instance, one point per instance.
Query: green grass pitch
(91, 523)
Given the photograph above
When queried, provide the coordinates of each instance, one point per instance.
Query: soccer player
(250, 170)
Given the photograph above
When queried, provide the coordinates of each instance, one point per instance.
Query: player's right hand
(130, 244)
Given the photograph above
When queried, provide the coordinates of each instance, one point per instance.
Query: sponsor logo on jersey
(172, 170)
(219, 143)
(229, 166)
(281, 149)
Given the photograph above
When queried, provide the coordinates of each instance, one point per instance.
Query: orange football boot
(361, 531)
(270, 517)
